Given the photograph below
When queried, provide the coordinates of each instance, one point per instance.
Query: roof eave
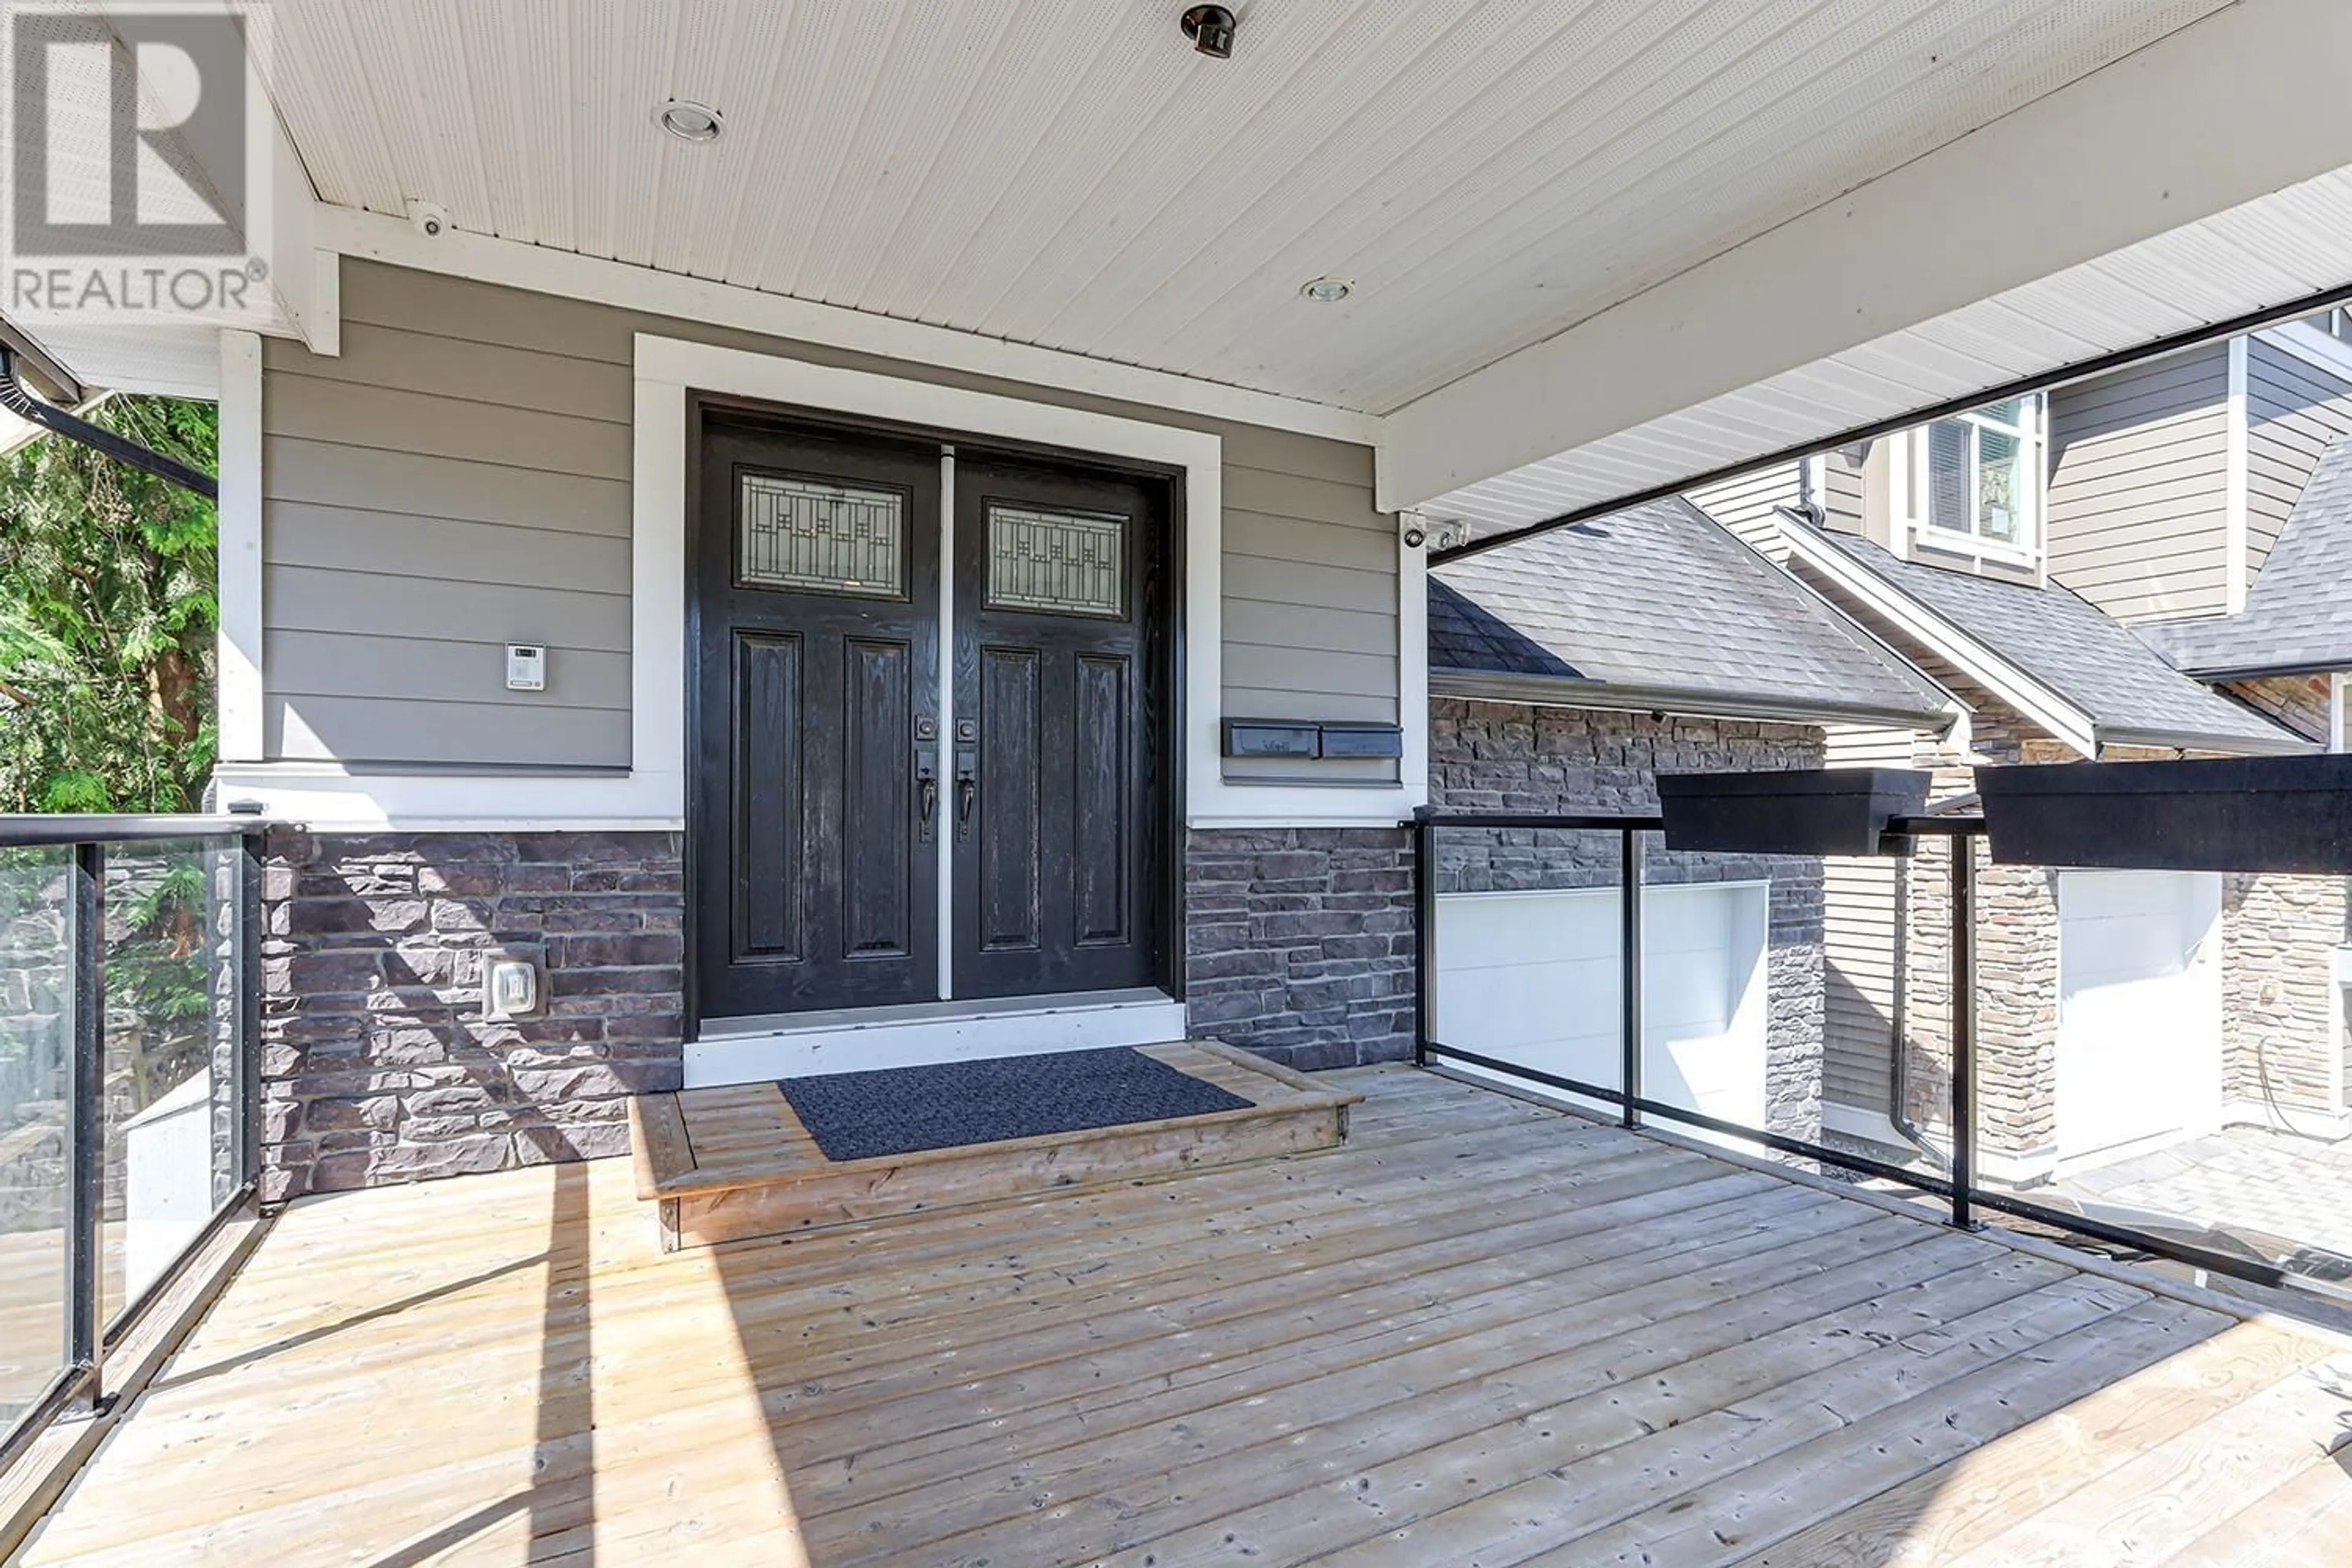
(2330, 665)
(2285, 743)
(2041, 704)
(1627, 697)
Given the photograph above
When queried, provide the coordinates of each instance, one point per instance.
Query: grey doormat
(898, 1110)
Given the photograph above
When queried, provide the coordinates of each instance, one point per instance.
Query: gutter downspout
(1898, 1115)
(17, 400)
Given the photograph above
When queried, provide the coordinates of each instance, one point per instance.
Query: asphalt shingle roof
(1660, 596)
(2068, 644)
(2298, 614)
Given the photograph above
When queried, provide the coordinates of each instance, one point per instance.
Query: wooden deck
(724, 1165)
(1479, 1333)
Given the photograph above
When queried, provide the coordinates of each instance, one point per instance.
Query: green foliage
(108, 614)
(159, 1012)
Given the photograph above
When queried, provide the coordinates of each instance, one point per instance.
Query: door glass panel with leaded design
(1068, 563)
(833, 538)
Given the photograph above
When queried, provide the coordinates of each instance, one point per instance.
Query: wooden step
(732, 1162)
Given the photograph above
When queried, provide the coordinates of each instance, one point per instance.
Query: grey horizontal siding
(1749, 505)
(2139, 488)
(2293, 409)
(458, 478)
(370, 604)
(385, 732)
(1843, 501)
(315, 664)
(347, 539)
(424, 485)
(1859, 931)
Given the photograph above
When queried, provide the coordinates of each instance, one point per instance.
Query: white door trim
(668, 369)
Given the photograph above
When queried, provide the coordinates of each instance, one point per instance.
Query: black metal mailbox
(2240, 814)
(1362, 740)
(1811, 811)
(1272, 737)
(1299, 739)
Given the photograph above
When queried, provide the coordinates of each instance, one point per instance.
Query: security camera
(429, 219)
(1416, 536)
(1211, 29)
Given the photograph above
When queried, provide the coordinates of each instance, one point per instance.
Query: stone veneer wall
(2287, 1055)
(2282, 1013)
(1498, 756)
(1299, 944)
(378, 1064)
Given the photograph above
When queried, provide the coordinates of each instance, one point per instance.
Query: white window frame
(1916, 505)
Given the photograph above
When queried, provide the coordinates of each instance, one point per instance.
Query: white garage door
(2139, 1008)
(1532, 978)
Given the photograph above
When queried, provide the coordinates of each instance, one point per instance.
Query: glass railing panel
(1527, 964)
(35, 1043)
(168, 1073)
(1732, 989)
(2187, 1071)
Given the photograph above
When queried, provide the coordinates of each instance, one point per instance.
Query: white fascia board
(2064, 721)
(1413, 673)
(239, 509)
(375, 237)
(2233, 107)
(2237, 542)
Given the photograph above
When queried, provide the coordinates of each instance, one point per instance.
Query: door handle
(967, 791)
(927, 792)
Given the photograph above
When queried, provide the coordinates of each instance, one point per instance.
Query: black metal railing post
(85, 1165)
(1629, 972)
(1964, 1031)
(1424, 928)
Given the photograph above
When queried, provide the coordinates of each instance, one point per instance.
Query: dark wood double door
(842, 787)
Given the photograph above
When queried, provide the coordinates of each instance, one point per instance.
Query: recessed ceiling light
(1327, 290)
(690, 121)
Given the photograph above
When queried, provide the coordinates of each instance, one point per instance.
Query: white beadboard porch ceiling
(2271, 252)
(1069, 173)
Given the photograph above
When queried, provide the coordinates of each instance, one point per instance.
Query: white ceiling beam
(2226, 109)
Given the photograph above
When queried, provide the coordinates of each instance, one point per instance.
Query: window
(802, 533)
(1074, 562)
(1983, 475)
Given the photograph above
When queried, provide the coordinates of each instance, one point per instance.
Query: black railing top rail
(1955, 824)
(40, 830)
(1586, 821)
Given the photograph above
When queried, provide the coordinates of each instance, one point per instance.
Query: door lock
(927, 791)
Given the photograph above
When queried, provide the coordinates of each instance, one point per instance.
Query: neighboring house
(2035, 558)
(1565, 674)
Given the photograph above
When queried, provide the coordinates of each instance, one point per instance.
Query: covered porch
(762, 541)
(1481, 1331)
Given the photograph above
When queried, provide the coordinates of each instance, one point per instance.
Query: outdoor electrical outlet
(510, 987)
